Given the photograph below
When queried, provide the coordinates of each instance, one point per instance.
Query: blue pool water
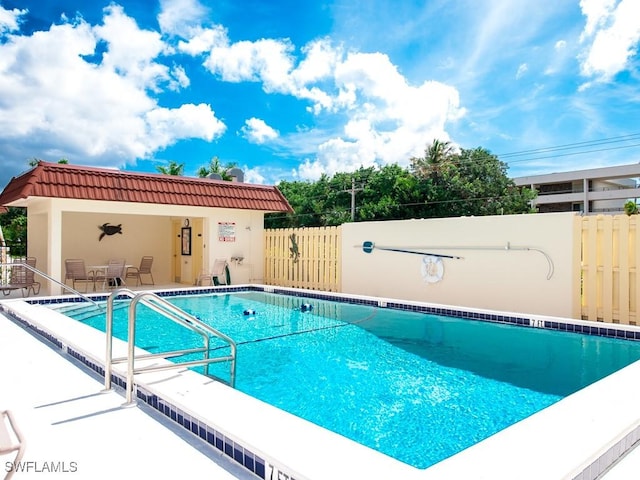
(417, 387)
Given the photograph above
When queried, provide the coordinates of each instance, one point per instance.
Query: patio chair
(143, 269)
(21, 277)
(76, 271)
(219, 273)
(11, 440)
(113, 276)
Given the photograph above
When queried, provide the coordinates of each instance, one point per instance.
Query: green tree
(14, 222)
(388, 192)
(443, 183)
(14, 229)
(631, 208)
(471, 182)
(308, 200)
(173, 168)
(216, 167)
(382, 193)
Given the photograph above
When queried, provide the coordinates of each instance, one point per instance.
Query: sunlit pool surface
(414, 386)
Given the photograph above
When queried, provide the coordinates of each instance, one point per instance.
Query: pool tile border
(583, 327)
(208, 434)
(595, 469)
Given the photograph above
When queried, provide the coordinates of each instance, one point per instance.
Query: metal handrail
(51, 279)
(163, 307)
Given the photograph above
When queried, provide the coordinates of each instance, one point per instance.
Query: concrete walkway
(76, 431)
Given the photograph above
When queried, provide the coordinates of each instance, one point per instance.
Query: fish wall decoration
(109, 230)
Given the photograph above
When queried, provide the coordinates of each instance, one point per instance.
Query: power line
(396, 205)
(574, 153)
(533, 154)
(604, 141)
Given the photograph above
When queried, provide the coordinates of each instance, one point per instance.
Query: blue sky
(290, 90)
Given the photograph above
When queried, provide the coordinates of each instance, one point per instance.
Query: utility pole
(353, 191)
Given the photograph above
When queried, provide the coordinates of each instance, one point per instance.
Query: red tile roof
(58, 180)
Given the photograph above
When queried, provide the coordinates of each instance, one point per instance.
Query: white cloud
(131, 51)
(522, 69)
(58, 97)
(596, 11)
(98, 104)
(181, 80)
(180, 17)
(317, 66)
(388, 120)
(611, 35)
(270, 62)
(266, 60)
(319, 62)
(188, 121)
(562, 54)
(257, 131)
(10, 19)
(254, 175)
(204, 40)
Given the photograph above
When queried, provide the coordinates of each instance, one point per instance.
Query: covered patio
(184, 223)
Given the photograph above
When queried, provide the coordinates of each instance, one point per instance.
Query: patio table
(103, 269)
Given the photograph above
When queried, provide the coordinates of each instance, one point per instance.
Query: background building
(597, 190)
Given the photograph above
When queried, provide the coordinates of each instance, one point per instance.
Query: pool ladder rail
(167, 309)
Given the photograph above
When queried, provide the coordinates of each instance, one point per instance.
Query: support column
(585, 195)
(54, 241)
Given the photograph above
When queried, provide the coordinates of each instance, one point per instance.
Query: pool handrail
(51, 279)
(173, 313)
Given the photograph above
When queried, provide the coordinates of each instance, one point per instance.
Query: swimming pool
(418, 387)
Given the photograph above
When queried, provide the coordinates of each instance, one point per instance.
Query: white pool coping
(74, 430)
(578, 437)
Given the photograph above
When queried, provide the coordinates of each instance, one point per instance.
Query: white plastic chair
(217, 273)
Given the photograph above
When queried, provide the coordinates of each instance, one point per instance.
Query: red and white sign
(226, 231)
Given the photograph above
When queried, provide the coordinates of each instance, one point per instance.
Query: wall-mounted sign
(186, 240)
(226, 231)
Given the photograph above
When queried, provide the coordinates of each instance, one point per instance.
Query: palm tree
(172, 169)
(217, 168)
(437, 156)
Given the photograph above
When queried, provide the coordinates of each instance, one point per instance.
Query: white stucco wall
(509, 280)
(63, 228)
(248, 244)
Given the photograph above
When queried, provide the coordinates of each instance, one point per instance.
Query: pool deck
(83, 432)
(74, 424)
